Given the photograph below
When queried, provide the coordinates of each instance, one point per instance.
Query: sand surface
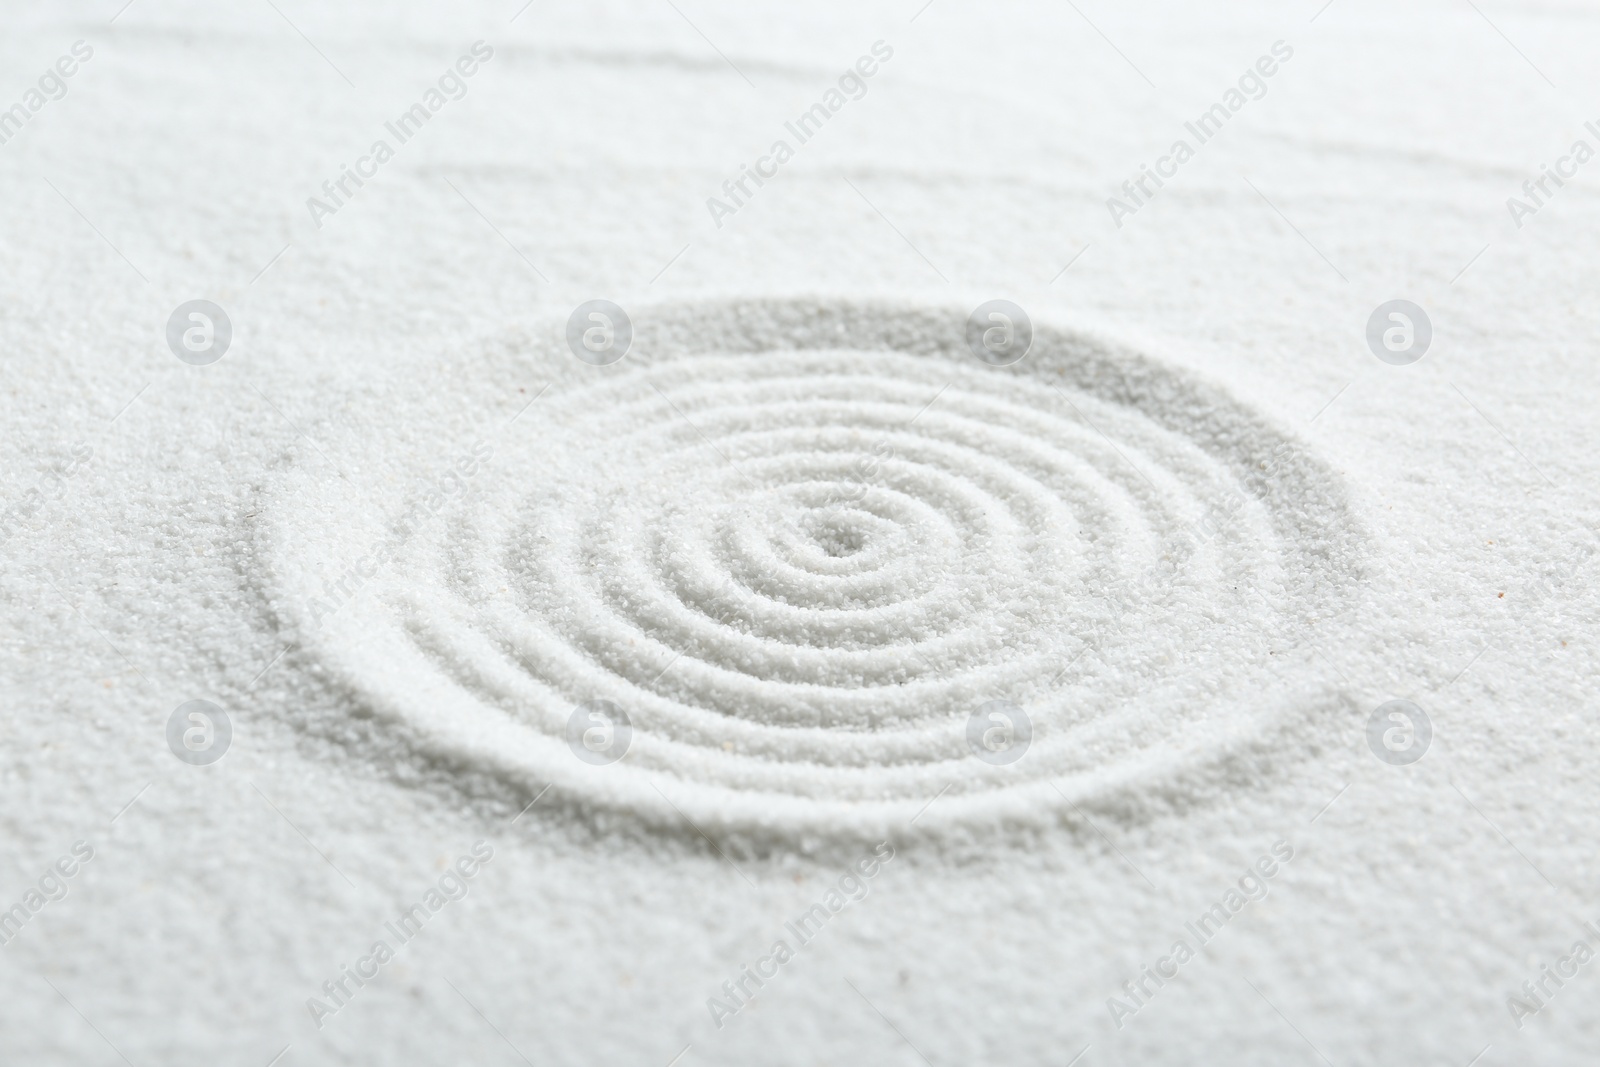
(816, 566)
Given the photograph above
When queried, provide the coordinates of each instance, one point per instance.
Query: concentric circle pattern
(799, 546)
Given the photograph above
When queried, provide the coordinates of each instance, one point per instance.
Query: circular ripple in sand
(799, 545)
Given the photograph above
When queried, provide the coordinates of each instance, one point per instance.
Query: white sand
(799, 534)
